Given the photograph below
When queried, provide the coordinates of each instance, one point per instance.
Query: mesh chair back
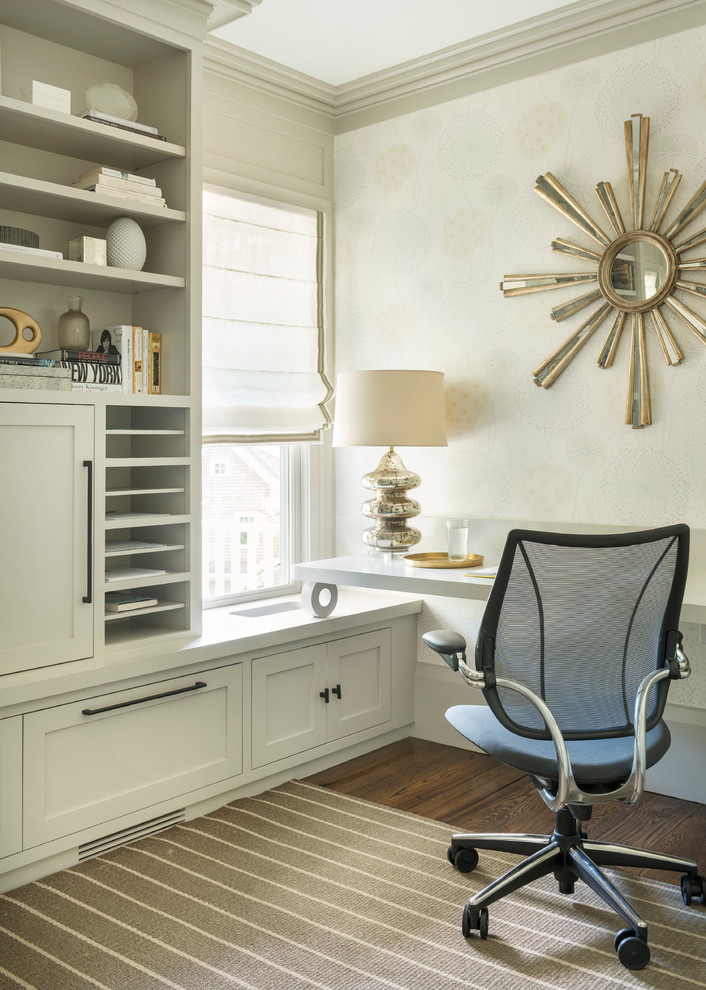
(581, 620)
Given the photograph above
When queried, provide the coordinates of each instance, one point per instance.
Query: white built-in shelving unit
(143, 451)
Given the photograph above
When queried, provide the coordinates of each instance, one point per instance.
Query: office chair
(576, 649)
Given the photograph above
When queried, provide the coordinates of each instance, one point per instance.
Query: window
(264, 388)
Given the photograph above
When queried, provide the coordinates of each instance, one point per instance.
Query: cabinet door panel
(288, 714)
(82, 769)
(10, 785)
(44, 504)
(361, 666)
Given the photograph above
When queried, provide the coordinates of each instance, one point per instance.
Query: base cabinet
(83, 774)
(10, 785)
(88, 763)
(310, 696)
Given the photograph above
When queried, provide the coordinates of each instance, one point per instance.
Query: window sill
(227, 630)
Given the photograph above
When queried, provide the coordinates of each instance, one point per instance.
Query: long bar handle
(141, 701)
(88, 597)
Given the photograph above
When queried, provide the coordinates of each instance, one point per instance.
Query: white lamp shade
(390, 408)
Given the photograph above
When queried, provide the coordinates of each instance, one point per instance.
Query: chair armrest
(449, 645)
(568, 791)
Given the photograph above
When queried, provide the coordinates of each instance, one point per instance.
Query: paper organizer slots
(140, 353)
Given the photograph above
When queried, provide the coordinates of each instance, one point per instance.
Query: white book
(117, 338)
(108, 182)
(109, 118)
(116, 173)
(134, 197)
(21, 249)
(95, 387)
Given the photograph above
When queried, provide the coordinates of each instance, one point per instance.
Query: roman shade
(263, 333)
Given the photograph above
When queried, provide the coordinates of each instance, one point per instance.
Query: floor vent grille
(116, 839)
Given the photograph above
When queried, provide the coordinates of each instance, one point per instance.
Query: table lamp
(391, 409)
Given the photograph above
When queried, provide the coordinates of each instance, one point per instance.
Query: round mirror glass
(639, 271)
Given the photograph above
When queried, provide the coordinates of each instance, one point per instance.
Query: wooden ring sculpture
(21, 322)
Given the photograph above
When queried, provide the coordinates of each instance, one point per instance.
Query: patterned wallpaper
(432, 209)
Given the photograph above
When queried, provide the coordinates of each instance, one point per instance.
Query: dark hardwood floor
(473, 792)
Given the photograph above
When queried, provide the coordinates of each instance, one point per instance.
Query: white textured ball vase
(125, 245)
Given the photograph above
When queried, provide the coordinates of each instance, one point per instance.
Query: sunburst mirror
(636, 272)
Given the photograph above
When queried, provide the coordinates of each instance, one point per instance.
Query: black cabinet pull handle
(141, 701)
(337, 691)
(88, 597)
(324, 694)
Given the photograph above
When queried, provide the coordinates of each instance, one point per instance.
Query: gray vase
(74, 327)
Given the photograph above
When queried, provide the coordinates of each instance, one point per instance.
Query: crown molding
(226, 11)
(239, 65)
(581, 30)
(578, 23)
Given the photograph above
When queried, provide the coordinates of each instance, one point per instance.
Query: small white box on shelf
(90, 250)
(43, 95)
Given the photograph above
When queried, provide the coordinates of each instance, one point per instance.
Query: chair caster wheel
(693, 888)
(633, 952)
(474, 919)
(465, 859)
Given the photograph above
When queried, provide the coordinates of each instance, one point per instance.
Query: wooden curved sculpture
(21, 322)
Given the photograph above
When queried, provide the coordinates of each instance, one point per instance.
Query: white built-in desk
(389, 572)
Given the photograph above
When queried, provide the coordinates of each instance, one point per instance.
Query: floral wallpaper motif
(432, 209)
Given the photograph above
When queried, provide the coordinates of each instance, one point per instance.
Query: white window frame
(310, 474)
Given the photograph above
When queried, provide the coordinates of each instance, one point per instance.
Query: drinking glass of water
(457, 533)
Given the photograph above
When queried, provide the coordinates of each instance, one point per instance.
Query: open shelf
(55, 271)
(161, 548)
(134, 613)
(51, 199)
(61, 133)
(140, 491)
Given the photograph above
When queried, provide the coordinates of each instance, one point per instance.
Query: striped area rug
(302, 887)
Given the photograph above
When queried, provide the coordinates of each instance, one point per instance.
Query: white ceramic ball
(125, 245)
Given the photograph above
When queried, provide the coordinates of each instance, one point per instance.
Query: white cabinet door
(90, 762)
(46, 501)
(359, 667)
(288, 711)
(307, 697)
(10, 785)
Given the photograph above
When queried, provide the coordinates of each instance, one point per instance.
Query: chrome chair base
(569, 855)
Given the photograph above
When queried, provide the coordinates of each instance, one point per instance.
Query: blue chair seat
(594, 761)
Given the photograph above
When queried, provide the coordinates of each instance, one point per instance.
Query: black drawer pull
(140, 701)
(88, 597)
(337, 691)
(324, 694)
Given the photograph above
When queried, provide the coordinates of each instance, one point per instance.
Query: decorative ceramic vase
(126, 246)
(74, 326)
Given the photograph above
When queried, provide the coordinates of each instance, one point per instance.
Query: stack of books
(28, 371)
(89, 371)
(23, 242)
(125, 185)
(98, 117)
(139, 354)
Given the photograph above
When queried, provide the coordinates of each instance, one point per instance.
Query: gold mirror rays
(637, 271)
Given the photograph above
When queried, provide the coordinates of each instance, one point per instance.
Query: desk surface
(389, 573)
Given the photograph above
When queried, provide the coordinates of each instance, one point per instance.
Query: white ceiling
(337, 41)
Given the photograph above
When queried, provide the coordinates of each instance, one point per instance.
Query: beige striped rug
(303, 887)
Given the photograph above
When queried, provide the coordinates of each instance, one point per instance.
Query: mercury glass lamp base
(391, 507)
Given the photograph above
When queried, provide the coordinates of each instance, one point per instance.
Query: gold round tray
(442, 560)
